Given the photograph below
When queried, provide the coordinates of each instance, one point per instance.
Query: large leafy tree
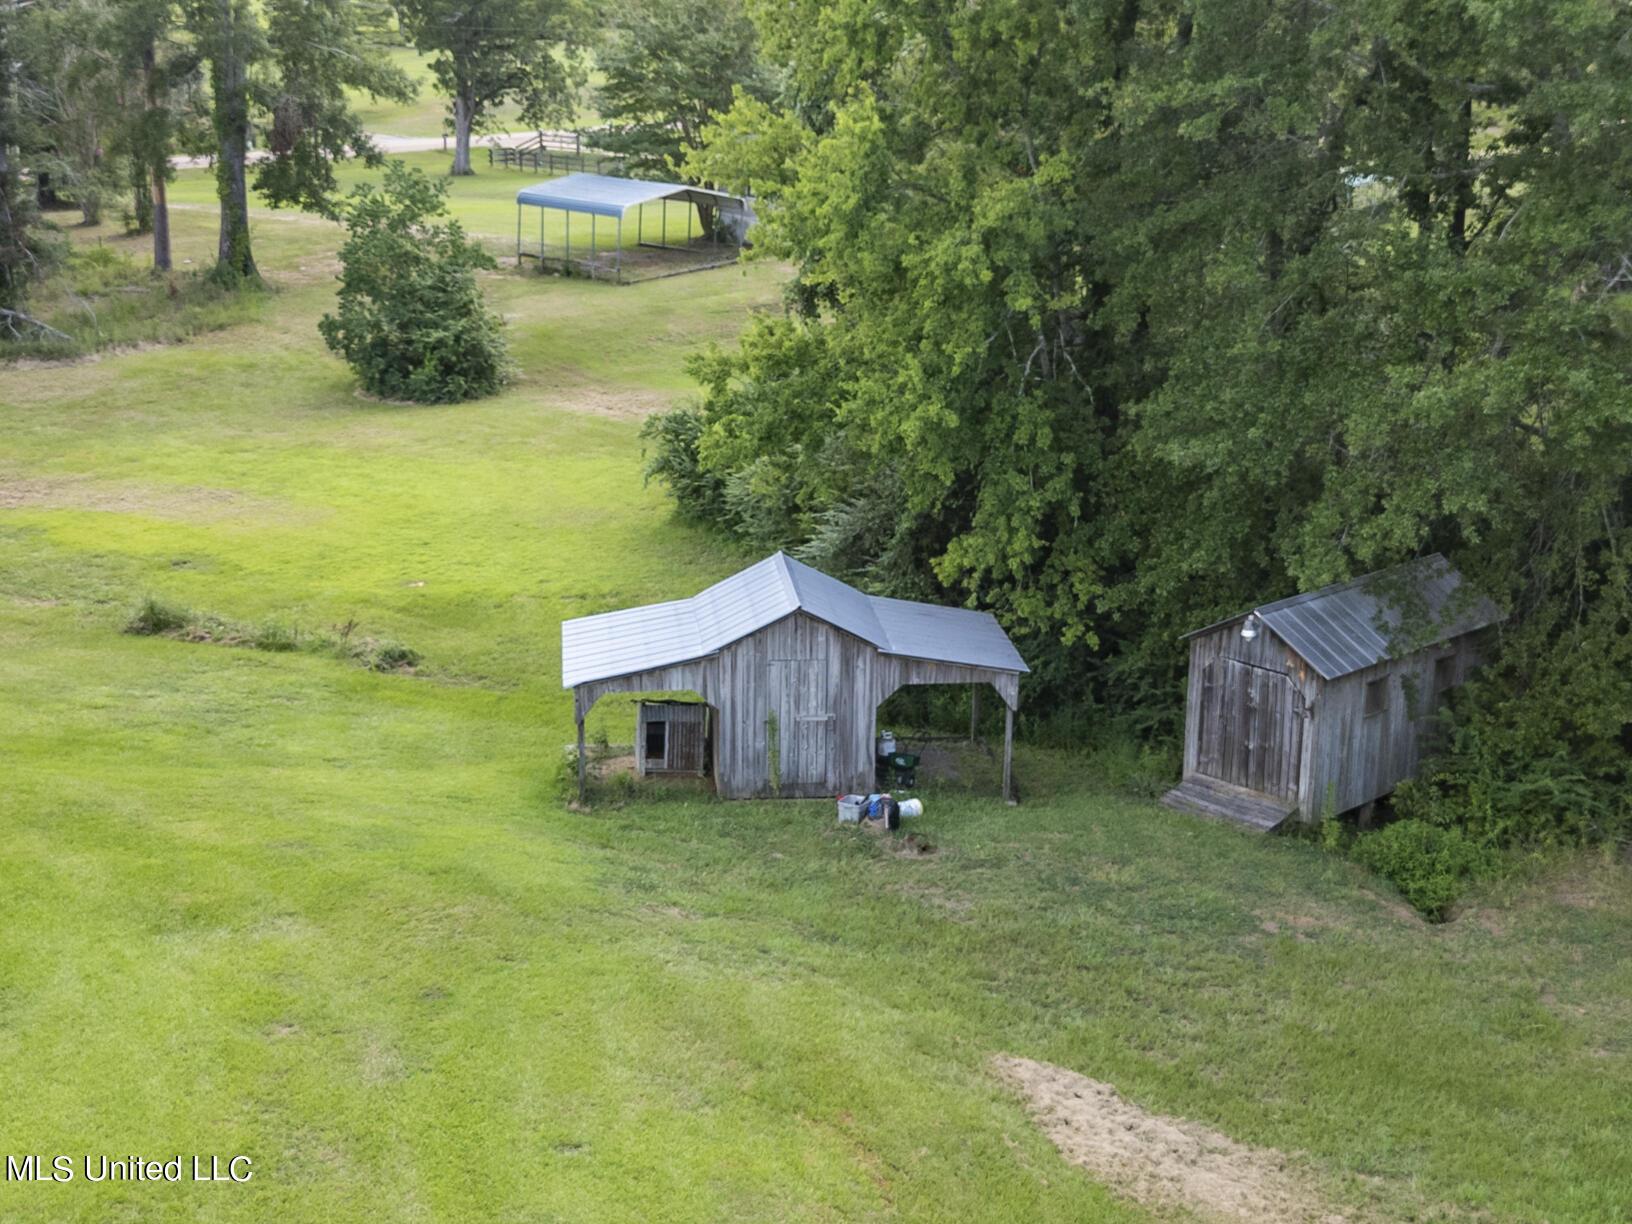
(156, 72)
(1129, 313)
(669, 68)
(292, 60)
(22, 254)
(485, 52)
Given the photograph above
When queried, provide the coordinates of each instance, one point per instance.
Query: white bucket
(912, 807)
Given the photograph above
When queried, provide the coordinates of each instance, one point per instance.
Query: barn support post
(974, 712)
(1008, 754)
(580, 759)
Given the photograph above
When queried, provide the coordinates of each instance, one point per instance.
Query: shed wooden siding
(1359, 757)
(825, 686)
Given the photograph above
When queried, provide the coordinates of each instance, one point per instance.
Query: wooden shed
(1316, 704)
(793, 664)
(671, 737)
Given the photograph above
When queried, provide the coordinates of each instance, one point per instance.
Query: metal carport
(602, 195)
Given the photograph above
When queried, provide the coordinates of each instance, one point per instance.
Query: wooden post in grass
(974, 712)
(1008, 753)
(580, 761)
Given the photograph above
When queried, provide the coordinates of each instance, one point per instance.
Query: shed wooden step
(1209, 797)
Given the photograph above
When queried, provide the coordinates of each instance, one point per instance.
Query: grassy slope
(342, 923)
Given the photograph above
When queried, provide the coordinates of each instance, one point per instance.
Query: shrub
(153, 618)
(385, 656)
(411, 320)
(1431, 866)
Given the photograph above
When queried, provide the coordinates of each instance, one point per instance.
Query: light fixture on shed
(1249, 629)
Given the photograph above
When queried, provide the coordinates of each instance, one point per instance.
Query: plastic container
(912, 807)
(851, 807)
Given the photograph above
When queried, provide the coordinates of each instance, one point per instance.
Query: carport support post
(974, 712)
(518, 234)
(581, 761)
(592, 219)
(568, 260)
(620, 249)
(1008, 752)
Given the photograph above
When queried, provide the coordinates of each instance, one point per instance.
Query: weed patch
(155, 619)
(102, 299)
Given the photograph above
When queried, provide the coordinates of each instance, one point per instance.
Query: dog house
(1317, 704)
(671, 737)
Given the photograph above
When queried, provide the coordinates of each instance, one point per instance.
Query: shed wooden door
(805, 720)
(1251, 731)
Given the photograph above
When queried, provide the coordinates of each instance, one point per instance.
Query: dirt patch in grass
(1298, 926)
(1164, 1163)
(620, 404)
(177, 503)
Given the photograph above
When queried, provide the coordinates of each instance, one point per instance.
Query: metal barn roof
(606, 196)
(657, 635)
(1349, 626)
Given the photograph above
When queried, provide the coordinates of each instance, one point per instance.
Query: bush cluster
(1430, 864)
(411, 320)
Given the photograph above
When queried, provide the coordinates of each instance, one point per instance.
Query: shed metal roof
(657, 635)
(1352, 625)
(607, 196)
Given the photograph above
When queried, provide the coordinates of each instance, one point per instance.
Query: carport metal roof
(606, 196)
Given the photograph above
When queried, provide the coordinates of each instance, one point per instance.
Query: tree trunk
(158, 165)
(234, 260)
(141, 195)
(161, 223)
(462, 113)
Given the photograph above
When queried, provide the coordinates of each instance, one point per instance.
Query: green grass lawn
(343, 922)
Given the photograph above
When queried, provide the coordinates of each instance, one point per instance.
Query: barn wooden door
(804, 715)
(1251, 728)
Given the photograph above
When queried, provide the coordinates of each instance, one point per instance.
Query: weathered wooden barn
(793, 665)
(1316, 704)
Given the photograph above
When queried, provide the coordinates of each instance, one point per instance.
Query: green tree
(485, 52)
(157, 73)
(411, 321)
(671, 66)
(22, 255)
(291, 60)
(1132, 313)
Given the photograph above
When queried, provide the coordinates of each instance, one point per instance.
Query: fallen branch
(12, 317)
